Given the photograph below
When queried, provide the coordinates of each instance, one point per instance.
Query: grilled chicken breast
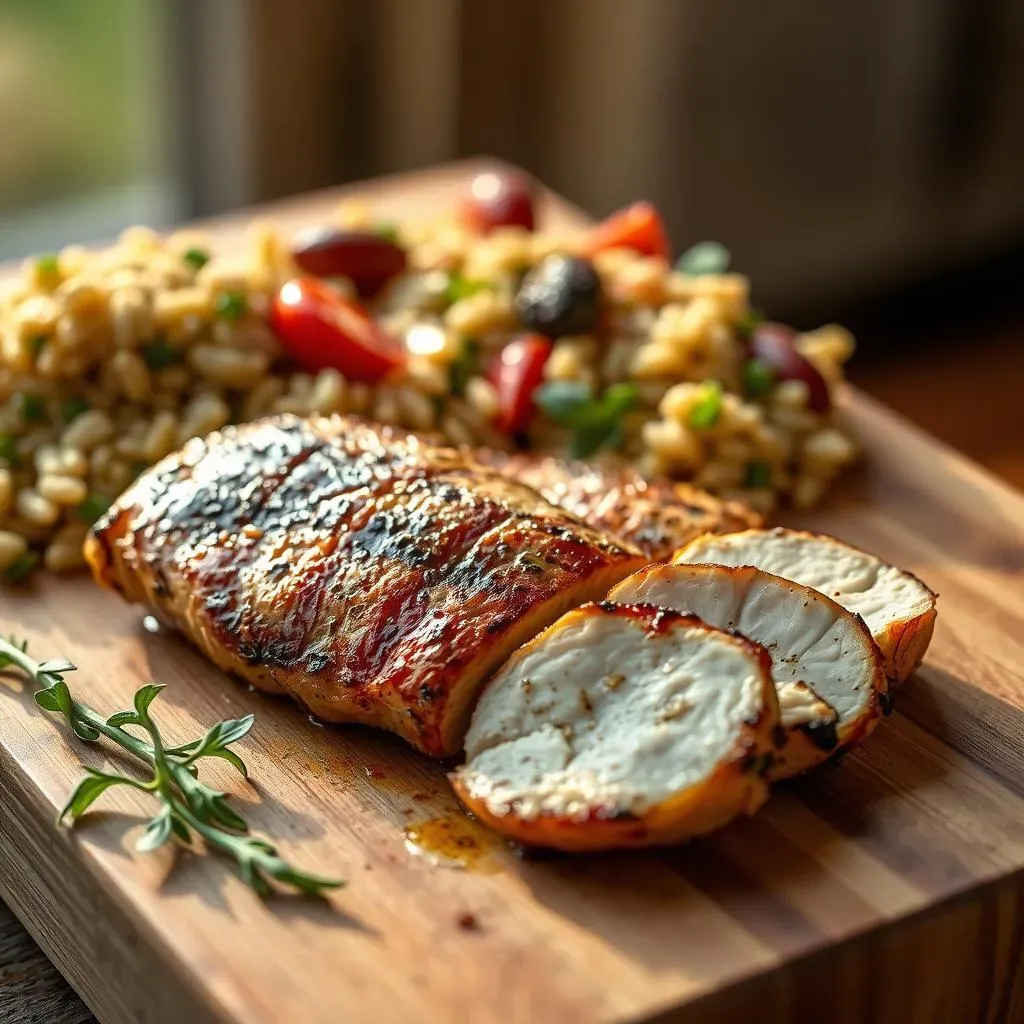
(895, 605)
(374, 576)
(621, 726)
(658, 516)
(815, 645)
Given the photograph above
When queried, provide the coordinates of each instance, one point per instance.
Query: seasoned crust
(373, 576)
(671, 745)
(656, 515)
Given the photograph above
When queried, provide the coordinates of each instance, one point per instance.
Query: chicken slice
(896, 606)
(657, 515)
(815, 645)
(373, 576)
(621, 726)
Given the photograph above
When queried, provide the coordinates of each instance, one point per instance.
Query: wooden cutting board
(887, 887)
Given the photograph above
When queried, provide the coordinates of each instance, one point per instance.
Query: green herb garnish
(159, 354)
(196, 258)
(706, 410)
(232, 305)
(463, 366)
(48, 265)
(32, 408)
(9, 449)
(36, 345)
(749, 320)
(72, 408)
(387, 229)
(758, 475)
(22, 567)
(704, 258)
(595, 422)
(758, 379)
(460, 287)
(92, 508)
(188, 807)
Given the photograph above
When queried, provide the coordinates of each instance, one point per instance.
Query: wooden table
(971, 403)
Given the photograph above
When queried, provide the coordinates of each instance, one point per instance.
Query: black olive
(560, 296)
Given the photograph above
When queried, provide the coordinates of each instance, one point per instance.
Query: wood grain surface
(887, 887)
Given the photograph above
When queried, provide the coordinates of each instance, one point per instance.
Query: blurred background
(862, 160)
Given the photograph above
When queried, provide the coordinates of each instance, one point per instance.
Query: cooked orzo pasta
(476, 326)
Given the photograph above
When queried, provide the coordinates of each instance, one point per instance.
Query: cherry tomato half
(516, 372)
(321, 330)
(498, 199)
(638, 227)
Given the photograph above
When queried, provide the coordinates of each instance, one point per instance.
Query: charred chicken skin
(657, 516)
(370, 574)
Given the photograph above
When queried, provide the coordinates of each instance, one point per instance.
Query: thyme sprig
(188, 807)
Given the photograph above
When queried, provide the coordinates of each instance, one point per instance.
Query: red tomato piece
(638, 227)
(497, 199)
(322, 330)
(516, 373)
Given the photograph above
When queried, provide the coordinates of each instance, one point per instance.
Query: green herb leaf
(463, 366)
(758, 379)
(48, 265)
(569, 403)
(758, 475)
(22, 567)
(460, 287)
(749, 321)
(232, 305)
(92, 508)
(159, 354)
(9, 449)
(387, 229)
(188, 806)
(85, 794)
(31, 407)
(157, 832)
(596, 422)
(36, 345)
(196, 258)
(72, 408)
(708, 408)
(704, 258)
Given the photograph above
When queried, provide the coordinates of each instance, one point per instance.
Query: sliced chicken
(374, 576)
(621, 726)
(815, 645)
(897, 607)
(658, 516)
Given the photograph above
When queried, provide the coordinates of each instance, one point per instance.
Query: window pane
(83, 120)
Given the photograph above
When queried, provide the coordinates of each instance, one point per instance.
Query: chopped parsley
(758, 379)
(32, 408)
(704, 258)
(196, 258)
(749, 320)
(92, 508)
(232, 305)
(9, 450)
(159, 354)
(708, 407)
(72, 408)
(463, 366)
(596, 422)
(460, 287)
(758, 475)
(21, 568)
(48, 265)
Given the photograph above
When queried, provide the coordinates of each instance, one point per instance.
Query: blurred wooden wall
(832, 146)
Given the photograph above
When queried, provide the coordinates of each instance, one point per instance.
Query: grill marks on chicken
(657, 516)
(370, 574)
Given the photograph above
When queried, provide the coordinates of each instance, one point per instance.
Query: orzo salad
(593, 345)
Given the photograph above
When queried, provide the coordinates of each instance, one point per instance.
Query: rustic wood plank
(912, 847)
